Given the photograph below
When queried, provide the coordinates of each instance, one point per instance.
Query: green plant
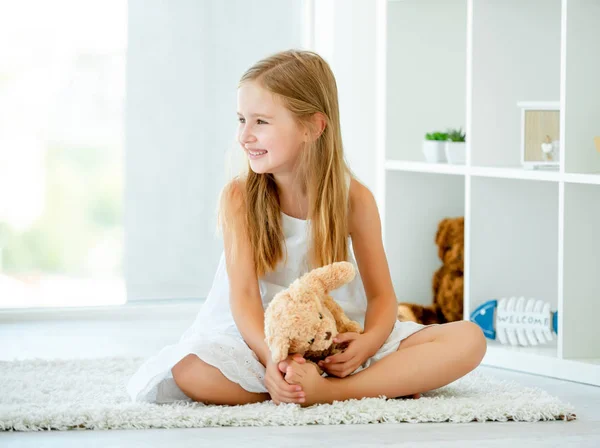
(456, 135)
(440, 136)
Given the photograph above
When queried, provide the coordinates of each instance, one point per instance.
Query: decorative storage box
(540, 134)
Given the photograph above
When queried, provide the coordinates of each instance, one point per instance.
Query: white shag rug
(38, 395)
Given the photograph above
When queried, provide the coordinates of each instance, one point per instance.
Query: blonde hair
(305, 84)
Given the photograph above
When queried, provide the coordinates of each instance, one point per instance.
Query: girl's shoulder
(359, 194)
(362, 204)
(231, 200)
(233, 192)
(235, 185)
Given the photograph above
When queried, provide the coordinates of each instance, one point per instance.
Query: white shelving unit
(532, 233)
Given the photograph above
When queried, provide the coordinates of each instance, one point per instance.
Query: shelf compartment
(415, 205)
(515, 58)
(513, 244)
(424, 93)
(581, 89)
(424, 167)
(581, 267)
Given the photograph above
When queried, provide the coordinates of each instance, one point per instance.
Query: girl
(298, 207)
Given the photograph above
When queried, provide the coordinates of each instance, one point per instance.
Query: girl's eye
(243, 120)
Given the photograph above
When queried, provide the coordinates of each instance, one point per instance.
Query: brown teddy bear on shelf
(304, 318)
(447, 280)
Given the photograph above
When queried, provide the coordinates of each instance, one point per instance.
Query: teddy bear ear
(330, 277)
(442, 231)
(279, 347)
(344, 272)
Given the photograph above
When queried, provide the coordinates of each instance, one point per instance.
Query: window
(62, 97)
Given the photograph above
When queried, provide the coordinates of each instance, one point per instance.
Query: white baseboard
(150, 309)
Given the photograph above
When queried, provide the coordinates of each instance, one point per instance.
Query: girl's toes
(289, 375)
(282, 366)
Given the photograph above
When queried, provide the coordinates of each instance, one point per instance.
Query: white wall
(582, 89)
(426, 69)
(184, 61)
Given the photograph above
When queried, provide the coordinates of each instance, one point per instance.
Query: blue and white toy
(517, 321)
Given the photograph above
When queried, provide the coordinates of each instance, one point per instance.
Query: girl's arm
(245, 299)
(244, 296)
(365, 230)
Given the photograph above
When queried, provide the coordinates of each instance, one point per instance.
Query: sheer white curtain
(184, 61)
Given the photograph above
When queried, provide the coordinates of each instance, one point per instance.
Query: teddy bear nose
(327, 335)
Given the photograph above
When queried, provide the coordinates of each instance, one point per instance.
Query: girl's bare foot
(414, 396)
(315, 387)
(283, 365)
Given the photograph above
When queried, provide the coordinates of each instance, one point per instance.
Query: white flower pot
(456, 153)
(434, 151)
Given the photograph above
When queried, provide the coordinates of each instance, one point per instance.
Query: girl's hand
(359, 349)
(279, 389)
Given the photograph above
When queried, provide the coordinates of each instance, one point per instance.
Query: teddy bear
(447, 280)
(304, 318)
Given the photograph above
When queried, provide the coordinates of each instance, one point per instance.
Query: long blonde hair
(305, 84)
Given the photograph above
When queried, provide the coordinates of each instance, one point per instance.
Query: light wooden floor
(91, 338)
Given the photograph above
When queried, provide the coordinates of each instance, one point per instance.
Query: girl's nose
(246, 136)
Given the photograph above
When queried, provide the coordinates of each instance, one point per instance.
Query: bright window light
(62, 97)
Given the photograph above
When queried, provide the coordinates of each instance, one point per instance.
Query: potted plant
(433, 147)
(456, 147)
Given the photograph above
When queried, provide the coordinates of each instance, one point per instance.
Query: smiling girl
(298, 207)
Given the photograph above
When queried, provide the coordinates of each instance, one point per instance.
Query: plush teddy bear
(447, 280)
(304, 318)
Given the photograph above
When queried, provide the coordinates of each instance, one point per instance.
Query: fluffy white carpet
(38, 395)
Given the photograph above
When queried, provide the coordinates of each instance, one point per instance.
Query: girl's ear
(317, 126)
(321, 123)
(441, 237)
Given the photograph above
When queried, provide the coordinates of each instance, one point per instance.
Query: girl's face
(268, 133)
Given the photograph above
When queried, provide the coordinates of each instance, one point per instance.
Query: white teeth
(257, 153)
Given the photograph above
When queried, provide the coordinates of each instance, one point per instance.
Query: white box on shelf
(540, 134)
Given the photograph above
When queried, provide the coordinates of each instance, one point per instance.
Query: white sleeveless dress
(215, 339)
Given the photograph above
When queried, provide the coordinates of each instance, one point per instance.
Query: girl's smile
(256, 153)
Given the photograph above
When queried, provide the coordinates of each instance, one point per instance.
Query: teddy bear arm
(279, 347)
(351, 327)
(342, 322)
